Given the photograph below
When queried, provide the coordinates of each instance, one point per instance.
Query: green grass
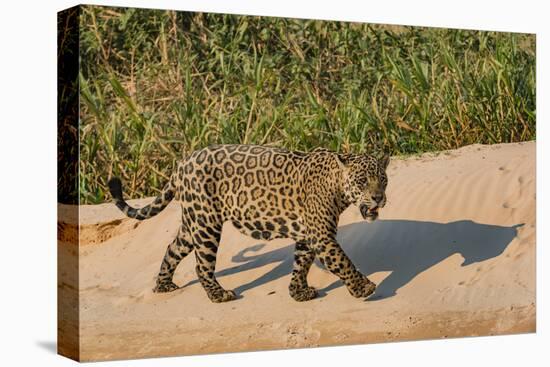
(156, 85)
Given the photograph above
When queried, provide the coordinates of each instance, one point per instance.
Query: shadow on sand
(404, 247)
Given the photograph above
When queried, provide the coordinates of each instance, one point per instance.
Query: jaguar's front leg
(303, 258)
(337, 262)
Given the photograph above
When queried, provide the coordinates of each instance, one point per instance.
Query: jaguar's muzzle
(369, 214)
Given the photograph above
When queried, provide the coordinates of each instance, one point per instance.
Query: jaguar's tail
(160, 202)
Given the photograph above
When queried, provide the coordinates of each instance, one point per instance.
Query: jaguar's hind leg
(206, 241)
(303, 258)
(180, 247)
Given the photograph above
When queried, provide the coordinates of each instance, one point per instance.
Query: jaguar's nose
(377, 198)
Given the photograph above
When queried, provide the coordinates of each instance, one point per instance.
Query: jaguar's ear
(343, 160)
(385, 160)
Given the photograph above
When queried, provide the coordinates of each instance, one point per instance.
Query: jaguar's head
(364, 182)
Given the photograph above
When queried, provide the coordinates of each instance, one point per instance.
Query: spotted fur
(266, 193)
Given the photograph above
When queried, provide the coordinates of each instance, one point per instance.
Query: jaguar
(266, 193)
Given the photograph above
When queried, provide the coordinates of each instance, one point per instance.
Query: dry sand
(453, 254)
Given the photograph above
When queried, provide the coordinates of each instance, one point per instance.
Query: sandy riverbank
(453, 254)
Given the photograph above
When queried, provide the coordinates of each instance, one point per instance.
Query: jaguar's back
(255, 187)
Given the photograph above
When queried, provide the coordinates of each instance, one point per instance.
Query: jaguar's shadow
(404, 247)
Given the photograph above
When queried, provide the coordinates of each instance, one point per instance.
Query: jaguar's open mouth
(368, 213)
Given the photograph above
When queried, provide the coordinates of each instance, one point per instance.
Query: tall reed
(156, 85)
